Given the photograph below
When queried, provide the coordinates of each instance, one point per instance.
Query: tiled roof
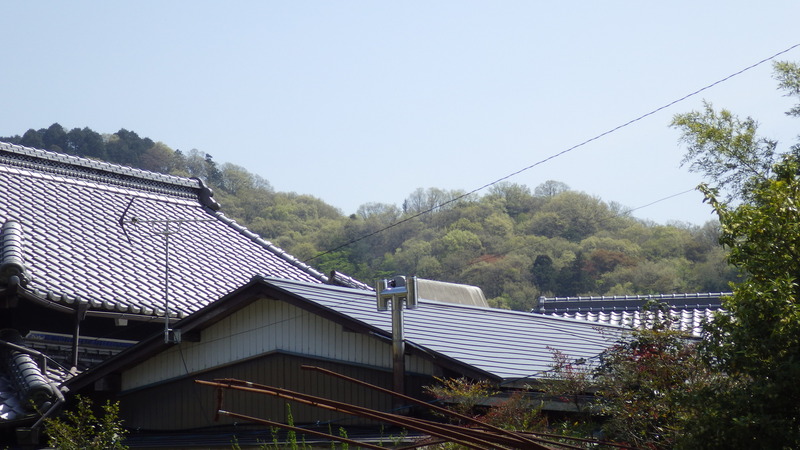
(509, 345)
(702, 300)
(64, 236)
(686, 320)
(686, 312)
(30, 382)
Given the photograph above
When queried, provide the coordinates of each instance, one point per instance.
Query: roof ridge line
(95, 170)
(633, 297)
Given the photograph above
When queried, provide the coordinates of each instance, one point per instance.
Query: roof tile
(69, 212)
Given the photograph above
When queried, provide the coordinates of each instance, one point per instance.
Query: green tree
(641, 384)
(32, 138)
(575, 215)
(515, 198)
(544, 274)
(550, 188)
(755, 344)
(573, 279)
(87, 143)
(82, 430)
(159, 158)
(725, 148)
(55, 139)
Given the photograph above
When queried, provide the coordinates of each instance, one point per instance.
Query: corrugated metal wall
(183, 404)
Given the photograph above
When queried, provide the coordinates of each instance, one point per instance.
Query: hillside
(515, 243)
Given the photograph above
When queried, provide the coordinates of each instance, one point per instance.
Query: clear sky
(365, 101)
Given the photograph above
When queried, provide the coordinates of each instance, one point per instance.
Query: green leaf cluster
(81, 429)
(753, 347)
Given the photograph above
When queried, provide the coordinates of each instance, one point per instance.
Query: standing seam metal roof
(510, 345)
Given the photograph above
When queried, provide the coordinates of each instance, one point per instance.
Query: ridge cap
(96, 170)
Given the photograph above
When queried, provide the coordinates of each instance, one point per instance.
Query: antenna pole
(171, 226)
(166, 284)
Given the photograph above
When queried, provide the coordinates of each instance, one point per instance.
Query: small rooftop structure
(441, 291)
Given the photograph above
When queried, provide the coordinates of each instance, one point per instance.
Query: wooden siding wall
(266, 326)
(183, 404)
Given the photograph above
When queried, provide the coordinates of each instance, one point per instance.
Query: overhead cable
(556, 155)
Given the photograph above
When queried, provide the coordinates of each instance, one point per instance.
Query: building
(123, 284)
(265, 331)
(687, 312)
(89, 254)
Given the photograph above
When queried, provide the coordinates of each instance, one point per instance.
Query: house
(265, 331)
(687, 312)
(123, 284)
(94, 256)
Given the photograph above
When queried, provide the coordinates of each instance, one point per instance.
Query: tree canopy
(515, 242)
(754, 345)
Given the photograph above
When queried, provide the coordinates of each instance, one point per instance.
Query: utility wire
(574, 147)
(612, 216)
(556, 155)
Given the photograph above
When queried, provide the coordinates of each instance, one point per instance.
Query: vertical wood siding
(183, 404)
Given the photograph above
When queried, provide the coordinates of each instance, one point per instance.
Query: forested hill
(515, 243)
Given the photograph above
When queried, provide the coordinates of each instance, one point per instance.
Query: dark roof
(619, 303)
(687, 320)
(685, 312)
(63, 242)
(30, 382)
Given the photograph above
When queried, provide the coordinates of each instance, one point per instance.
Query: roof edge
(94, 170)
(272, 248)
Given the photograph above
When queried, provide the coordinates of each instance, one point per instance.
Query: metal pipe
(301, 430)
(398, 348)
(417, 424)
(439, 409)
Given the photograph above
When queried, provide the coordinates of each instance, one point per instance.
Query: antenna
(165, 228)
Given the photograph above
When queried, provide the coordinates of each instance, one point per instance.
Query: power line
(556, 155)
(599, 220)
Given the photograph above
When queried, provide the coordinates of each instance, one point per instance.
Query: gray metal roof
(65, 237)
(509, 345)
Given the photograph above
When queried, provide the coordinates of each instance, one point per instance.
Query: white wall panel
(265, 326)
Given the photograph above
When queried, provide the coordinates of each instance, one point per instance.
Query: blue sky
(365, 101)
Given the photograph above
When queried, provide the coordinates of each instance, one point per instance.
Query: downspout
(80, 315)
